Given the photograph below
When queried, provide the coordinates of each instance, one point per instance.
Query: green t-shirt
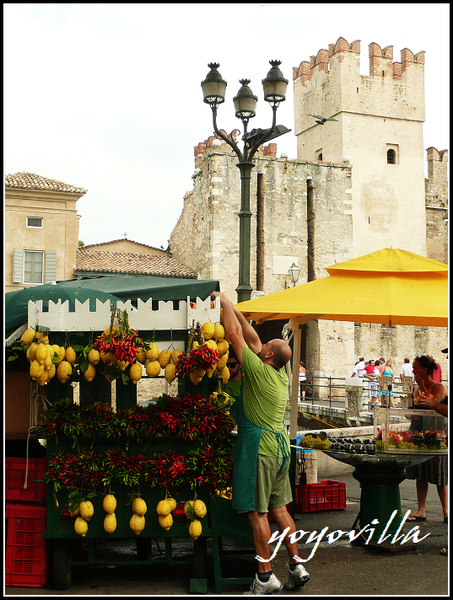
(265, 398)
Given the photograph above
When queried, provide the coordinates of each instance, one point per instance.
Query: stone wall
(436, 198)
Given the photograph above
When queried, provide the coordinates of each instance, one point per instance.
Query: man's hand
(239, 330)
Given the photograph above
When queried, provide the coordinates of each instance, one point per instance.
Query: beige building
(39, 214)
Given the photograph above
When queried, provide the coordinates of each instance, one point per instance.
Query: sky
(107, 97)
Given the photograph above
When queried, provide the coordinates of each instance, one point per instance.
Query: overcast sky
(107, 96)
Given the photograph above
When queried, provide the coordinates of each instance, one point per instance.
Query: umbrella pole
(295, 384)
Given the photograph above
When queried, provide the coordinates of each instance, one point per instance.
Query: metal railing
(331, 391)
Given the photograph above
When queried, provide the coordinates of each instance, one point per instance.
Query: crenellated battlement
(380, 60)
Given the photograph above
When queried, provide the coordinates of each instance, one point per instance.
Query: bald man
(262, 454)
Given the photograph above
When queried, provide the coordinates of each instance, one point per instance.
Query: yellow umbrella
(389, 286)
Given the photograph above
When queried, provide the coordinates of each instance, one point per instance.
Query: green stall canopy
(132, 287)
(16, 302)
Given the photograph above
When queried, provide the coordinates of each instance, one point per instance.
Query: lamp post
(274, 86)
(294, 272)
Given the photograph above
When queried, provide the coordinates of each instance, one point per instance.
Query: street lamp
(274, 86)
(294, 272)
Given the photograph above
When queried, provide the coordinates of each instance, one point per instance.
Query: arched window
(391, 157)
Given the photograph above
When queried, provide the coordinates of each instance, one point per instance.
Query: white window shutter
(51, 266)
(18, 265)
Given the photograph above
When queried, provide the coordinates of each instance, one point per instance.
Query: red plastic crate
(15, 470)
(325, 495)
(26, 549)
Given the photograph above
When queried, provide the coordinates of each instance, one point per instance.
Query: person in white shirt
(359, 368)
(406, 370)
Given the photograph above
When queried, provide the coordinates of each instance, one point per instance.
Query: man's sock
(264, 577)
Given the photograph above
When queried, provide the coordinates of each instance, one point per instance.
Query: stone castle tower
(379, 129)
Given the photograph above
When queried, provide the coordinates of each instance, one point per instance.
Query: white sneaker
(297, 578)
(264, 587)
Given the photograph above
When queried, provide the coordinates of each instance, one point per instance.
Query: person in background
(406, 370)
(359, 368)
(387, 371)
(430, 394)
(371, 376)
(302, 380)
(261, 482)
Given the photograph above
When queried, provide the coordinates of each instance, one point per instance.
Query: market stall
(116, 469)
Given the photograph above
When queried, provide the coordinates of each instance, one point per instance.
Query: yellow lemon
(61, 354)
(153, 368)
(194, 379)
(199, 508)
(52, 370)
(94, 356)
(80, 526)
(64, 371)
(90, 372)
(110, 522)
(27, 337)
(170, 372)
(222, 347)
(60, 351)
(153, 352)
(172, 502)
(109, 503)
(137, 523)
(108, 358)
(164, 358)
(219, 332)
(48, 359)
(36, 369)
(86, 509)
(195, 529)
(122, 364)
(31, 351)
(221, 363)
(41, 353)
(141, 356)
(166, 521)
(211, 344)
(70, 355)
(175, 355)
(107, 331)
(225, 375)
(164, 508)
(75, 512)
(135, 372)
(139, 506)
(207, 329)
(43, 378)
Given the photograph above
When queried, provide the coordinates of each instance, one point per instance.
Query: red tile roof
(97, 261)
(31, 181)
